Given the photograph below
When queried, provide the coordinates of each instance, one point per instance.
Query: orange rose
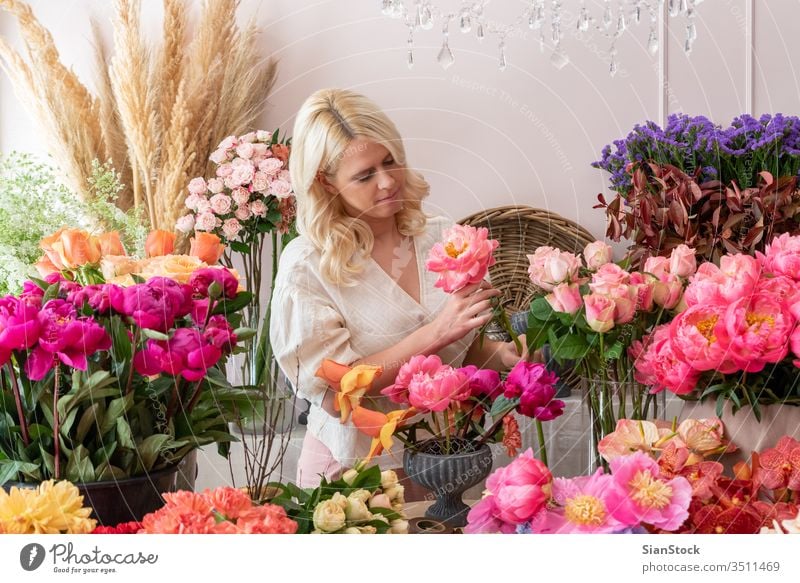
(71, 248)
(110, 244)
(117, 265)
(281, 152)
(159, 243)
(207, 247)
(45, 267)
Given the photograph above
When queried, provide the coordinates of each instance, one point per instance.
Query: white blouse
(313, 319)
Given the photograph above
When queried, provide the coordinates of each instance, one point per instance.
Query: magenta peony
(154, 304)
(203, 278)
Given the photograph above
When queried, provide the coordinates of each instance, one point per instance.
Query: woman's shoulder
(300, 250)
(299, 260)
(435, 226)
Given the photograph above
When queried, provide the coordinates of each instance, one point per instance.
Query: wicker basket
(520, 230)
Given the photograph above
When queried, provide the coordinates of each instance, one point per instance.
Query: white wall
(483, 137)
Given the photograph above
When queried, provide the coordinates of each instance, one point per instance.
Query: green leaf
(502, 405)
(51, 293)
(40, 283)
(713, 389)
(10, 468)
(226, 306)
(122, 350)
(615, 351)
(138, 278)
(368, 479)
(36, 432)
(66, 424)
(541, 309)
(124, 434)
(79, 467)
(571, 347)
(116, 409)
(155, 334)
(150, 449)
(88, 420)
(240, 247)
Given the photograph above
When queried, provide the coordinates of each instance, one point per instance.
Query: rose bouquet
(737, 338)
(100, 381)
(363, 501)
(50, 508)
(591, 310)
(220, 511)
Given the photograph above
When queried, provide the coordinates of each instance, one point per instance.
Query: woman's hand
(510, 357)
(466, 310)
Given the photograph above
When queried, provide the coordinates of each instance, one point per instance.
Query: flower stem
(23, 422)
(542, 446)
(195, 397)
(56, 428)
(505, 323)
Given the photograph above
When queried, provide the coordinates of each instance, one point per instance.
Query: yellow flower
(178, 267)
(53, 508)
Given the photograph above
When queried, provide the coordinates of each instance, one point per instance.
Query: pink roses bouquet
(590, 310)
(103, 382)
(737, 337)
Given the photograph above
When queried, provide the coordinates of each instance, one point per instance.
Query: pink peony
(550, 267)
(565, 298)
(220, 204)
(597, 254)
(436, 393)
(756, 331)
(535, 387)
(463, 258)
(599, 312)
(521, 489)
(95, 295)
(742, 273)
(187, 353)
(19, 326)
(638, 495)
(154, 304)
(705, 287)
(698, 338)
(417, 365)
(782, 256)
(582, 507)
(682, 261)
(201, 279)
(482, 519)
(197, 186)
(483, 382)
(280, 189)
(659, 366)
(64, 337)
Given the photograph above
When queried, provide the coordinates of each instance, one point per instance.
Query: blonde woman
(353, 286)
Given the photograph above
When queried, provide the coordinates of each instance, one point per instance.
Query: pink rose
(197, 186)
(566, 298)
(192, 201)
(285, 175)
(248, 138)
(215, 185)
(218, 156)
(657, 266)
(260, 152)
(228, 143)
(203, 206)
(682, 261)
(644, 290)
(231, 228)
(625, 300)
(521, 489)
(240, 195)
(224, 170)
(550, 267)
(243, 212)
(599, 312)
(258, 208)
(185, 224)
(463, 258)
(260, 182)
(597, 254)
(242, 174)
(668, 291)
(221, 204)
(607, 279)
(205, 222)
(245, 150)
(270, 166)
(280, 189)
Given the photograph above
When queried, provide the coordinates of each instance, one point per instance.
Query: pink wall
(484, 137)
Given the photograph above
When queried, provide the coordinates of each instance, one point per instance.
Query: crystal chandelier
(547, 17)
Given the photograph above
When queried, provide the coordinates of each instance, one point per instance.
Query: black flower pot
(126, 500)
(448, 476)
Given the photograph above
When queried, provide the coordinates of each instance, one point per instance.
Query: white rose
(363, 495)
(329, 516)
(352, 530)
(240, 195)
(263, 136)
(227, 143)
(356, 510)
(380, 501)
(340, 499)
(218, 156)
(260, 181)
(368, 529)
(388, 479)
(243, 212)
(270, 166)
(205, 222)
(248, 137)
(258, 208)
(395, 493)
(398, 526)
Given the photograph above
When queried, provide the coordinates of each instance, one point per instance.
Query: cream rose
(329, 516)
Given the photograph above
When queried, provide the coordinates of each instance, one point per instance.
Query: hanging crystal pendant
(556, 33)
(410, 59)
(583, 19)
(637, 13)
(559, 59)
(425, 17)
(684, 6)
(536, 17)
(445, 57)
(394, 8)
(674, 7)
(687, 47)
(502, 64)
(480, 34)
(621, 24)
(691, 31)
(466, 22)
(612, 68)
(652, 42)
(541, 43)
(387, 7)
(607, 16)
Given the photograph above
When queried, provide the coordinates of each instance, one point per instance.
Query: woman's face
(369, 181)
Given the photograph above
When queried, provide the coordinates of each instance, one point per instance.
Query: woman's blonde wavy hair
(326, 124)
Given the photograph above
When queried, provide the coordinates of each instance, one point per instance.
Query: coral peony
(462, 258)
